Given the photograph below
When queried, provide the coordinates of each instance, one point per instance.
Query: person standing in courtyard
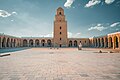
(80, 46)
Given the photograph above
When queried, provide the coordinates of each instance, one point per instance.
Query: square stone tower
(60, 29)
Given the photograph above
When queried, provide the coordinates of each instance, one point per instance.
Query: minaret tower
(60, 29)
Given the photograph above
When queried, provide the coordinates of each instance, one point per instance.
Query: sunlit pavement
(60, 64)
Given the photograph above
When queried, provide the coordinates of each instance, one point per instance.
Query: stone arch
(14, 43)
(106, 42)
(116, 41)
(110, 42)
(70, 43)
(99, 42)
(31, 43)
(18, 43)
(21, 42)
(75, 43)
(96, 43)
(92, 43)
(43, 42)
(37, 43)
(11, 43)
(49, 42)
(25, 43)
(4, 42)
(102, 42)
(8, 42)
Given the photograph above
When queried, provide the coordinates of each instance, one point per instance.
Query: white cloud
(74, 35)
(47, 35)
(77, 35)
(109, 1)
(98, 27)
(70, 34)
(12, 20)
(117, 29)
(95, 2)
(69, 3)
(4, 13)
(92, 3)
(114, 24)
(14, 13)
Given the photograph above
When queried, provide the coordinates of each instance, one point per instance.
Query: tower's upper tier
(60, 17)
(60, 11)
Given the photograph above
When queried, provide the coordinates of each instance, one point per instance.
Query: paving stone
(61, 64)
(84, 75)
(118, 76)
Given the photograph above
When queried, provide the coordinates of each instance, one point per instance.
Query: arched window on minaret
(60, 13)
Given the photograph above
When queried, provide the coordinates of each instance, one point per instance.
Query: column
(33, 43)
(108, 42)
(101, 44)
(119, 43)
(105, 43)
(0, 42)
(113, 45)
(98, 44)
(28, 44)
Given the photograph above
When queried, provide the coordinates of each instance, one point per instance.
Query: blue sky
(85, 18)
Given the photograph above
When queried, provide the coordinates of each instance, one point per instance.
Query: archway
(75, 43)
(116, 42)
(14, 43)
(30, 43)
(49, 42)
(96, 43)
(24, 43)
(11, 43)
(60, 45)
(110, 42)
(92, 44)
(99, 42)
(4, 42)
(36, 43)
(70, 43)
(17, 43)
(102, 41)
(8, 42)
(106, 42)
(43, 42)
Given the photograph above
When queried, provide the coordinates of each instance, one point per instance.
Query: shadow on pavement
(12, 49)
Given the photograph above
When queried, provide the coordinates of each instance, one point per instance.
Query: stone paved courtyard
(60, 64)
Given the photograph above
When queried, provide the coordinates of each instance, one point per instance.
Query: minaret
(60, 29)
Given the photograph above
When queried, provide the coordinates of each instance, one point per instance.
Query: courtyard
(60, 64)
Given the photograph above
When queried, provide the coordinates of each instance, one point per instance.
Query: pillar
(119, 42)
(101, 44)
(105, 43)
(98, 44)
(113, 44)
(34, 43)
(0, 42)
(9, 44)
(28, 43)
(109, 42)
